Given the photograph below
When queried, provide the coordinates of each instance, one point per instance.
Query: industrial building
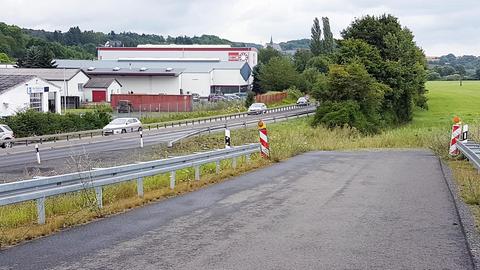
(21, 92)
(155, 76)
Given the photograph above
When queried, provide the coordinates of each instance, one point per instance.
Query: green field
(447, 99)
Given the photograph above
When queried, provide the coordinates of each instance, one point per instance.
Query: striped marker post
(265, 147)
(141, 139)
(228, 143)
(38, 154)
(456, 133)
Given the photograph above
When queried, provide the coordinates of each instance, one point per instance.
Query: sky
(440, 27)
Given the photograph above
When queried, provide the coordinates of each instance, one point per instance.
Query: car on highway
(302, 101)
(6, 134)
(122, 125)
(232, 97)
(257, 108)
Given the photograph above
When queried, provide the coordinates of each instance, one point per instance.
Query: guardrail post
(247, 157)
(140, 187)
(197, 172)
(172, 180)
(217, 167)
(41, 210)
(99, 196)
(234, 162)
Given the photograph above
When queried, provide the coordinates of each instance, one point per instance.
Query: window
(80, 87)
(36, 101)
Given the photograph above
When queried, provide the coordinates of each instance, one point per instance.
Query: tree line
(16, 42)
(453, 68)
(371, 78)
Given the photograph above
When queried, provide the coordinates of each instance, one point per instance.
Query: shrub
(33, 123)
(294, 93)
(250, 99)
(345, 114)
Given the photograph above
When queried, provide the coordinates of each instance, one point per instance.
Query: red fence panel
(271, 98)
(155, 103)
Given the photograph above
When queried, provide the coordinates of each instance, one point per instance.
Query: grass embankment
(430, 129)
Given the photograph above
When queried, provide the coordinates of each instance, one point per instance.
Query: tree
(264, 55)
(357, 50)
(256, 87)
(477, 73)
(328, 42)
(316, 43)
(37, 57)
(350, 96)
(403, 66)
(300, 59)
(320, 63)
(250, 99)
(279, 74)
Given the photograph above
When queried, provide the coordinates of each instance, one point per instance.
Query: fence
(154, 103)
(271, 98)
(39, 189)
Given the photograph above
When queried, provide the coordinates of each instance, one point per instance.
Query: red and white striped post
(265, 147)
(456, 133)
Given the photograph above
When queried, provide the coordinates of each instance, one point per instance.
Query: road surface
(21, 157)
(320, 210)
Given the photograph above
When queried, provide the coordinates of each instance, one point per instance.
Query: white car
(302, 101)
(6, 133)
(122, 125)
(257, 108)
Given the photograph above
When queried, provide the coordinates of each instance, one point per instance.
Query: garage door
(99, 95)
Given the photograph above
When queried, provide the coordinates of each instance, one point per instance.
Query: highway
(320, 210)
(20, 157)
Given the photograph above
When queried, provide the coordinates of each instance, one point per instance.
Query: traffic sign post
(265, 147)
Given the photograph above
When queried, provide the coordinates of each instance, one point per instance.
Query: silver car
(122, 125)
(257, 108)
(6, 134)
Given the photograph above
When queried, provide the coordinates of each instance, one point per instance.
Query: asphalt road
(18, 158)
(321, 210)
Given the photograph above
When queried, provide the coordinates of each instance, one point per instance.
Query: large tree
(264, 55)
(403, 63)
(316, 43)
(328, 41)
(37, 57)
(279, 74)
(300, 59)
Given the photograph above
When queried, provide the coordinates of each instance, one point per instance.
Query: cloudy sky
(440, 26)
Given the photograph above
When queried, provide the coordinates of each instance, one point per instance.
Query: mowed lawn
(447, 99)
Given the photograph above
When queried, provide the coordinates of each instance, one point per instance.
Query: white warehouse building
(142, 76)
(178, 53)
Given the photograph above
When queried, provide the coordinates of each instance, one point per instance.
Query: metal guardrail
(41, 188)
(471, 151)
(99, 132)
(244, 124)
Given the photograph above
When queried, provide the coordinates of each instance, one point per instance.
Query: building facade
(22, 92)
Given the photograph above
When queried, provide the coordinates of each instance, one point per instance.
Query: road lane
(321, 210)
(20, 157)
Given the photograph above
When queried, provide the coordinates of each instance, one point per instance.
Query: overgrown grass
(430, 129)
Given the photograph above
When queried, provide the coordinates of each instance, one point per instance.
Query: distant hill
(295, 44)
(80, 44)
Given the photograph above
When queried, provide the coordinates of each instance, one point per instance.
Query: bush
(294, 93)
(250, 99)
(345, 114)
(32, 123)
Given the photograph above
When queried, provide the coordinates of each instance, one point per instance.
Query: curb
(466, 221)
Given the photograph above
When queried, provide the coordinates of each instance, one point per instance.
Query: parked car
(232, 97)
(195, 97)
(241, 95)
(302, 101)
(122, 125)
(215, 98)
(257, 108)
(6, 133)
